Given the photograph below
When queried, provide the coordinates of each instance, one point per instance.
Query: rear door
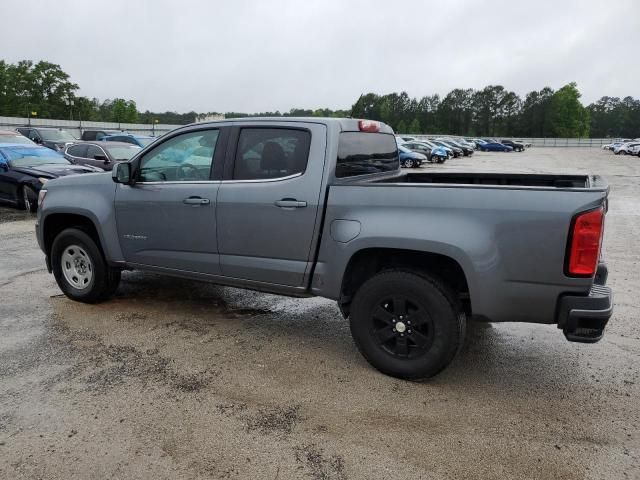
(167, 219)
(268, 201)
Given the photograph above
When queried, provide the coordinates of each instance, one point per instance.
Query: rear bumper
(583, 318)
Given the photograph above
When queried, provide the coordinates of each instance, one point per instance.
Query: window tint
(77, 150)
(92, 151)
(360, 153)
(271, 153)
(183, 158)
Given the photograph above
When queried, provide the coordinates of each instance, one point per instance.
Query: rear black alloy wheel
(406, 324)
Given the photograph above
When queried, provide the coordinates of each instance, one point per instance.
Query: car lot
(177, 379)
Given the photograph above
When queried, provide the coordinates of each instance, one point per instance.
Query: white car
(635, 150)
(624, 148)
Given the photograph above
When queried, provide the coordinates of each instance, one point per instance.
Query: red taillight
(368, 126)
(586, 237)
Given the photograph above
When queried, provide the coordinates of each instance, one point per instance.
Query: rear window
(361, 153)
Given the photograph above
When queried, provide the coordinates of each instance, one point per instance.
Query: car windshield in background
(404, 149)
(25, 156)
(15, 139)
(56, 135)
(145, 141)
(360, 153)
(122, 152)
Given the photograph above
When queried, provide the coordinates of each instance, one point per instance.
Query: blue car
(492, 146)
(409, 159)
(139, 140)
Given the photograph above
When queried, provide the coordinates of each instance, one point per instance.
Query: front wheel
(80, 269)
(29, 199)
(407, 325)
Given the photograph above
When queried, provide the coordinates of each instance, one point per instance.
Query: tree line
(44, 90)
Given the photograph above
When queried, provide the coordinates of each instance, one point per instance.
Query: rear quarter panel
(510, 242)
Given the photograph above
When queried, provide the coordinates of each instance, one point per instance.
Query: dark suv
(90, 135)
(518, 147)
(53, 138)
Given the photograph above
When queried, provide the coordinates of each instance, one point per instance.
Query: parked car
(433, 153)
(516, 146)
(465, 149)
(139, 140)
(410, 159)
(624, 148)
(525, 143)
(53, 138)
(495, 147)
(90, 135)
(13, 137)
(405, 138)
(100, 154)
(24, 169)
(456, 151)
(406, 259)
(635, 150)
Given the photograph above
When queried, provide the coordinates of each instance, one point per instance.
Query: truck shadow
(507, 356)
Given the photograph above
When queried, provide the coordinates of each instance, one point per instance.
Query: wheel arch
(367, 262)
(55, 223)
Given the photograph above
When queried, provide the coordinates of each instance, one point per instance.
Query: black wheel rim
(402, 327)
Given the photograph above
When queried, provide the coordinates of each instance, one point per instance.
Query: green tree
(402, 127)
(567, 116)
(415, 126)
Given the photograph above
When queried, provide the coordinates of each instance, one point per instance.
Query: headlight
(43, 180)
(41, 196)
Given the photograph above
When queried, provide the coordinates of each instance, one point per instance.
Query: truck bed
(498, 179)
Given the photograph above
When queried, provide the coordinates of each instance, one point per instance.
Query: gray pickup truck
(306, 206)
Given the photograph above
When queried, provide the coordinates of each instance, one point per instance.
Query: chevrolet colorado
(306, 206)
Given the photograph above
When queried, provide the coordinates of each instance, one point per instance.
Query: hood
(55, 170)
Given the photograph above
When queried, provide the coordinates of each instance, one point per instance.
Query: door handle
(290, 203)
(196, 201)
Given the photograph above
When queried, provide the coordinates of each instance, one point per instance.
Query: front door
(268, 202)
(167, 218)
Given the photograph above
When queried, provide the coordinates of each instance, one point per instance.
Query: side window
(92, 151)
(33, 135)
(271, 153)
(183, 158)
(77, 150)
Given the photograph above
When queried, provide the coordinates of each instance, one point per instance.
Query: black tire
(28, 199)
(425, 348)
(104, 279)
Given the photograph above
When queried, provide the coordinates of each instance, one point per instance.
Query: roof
(9, 132)
(345, 124)
(99, 143)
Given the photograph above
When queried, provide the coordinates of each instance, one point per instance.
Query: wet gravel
(178, 380)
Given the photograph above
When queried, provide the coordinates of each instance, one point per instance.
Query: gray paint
(509, 241)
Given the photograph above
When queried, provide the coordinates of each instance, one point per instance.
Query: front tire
(407, 325)
(29, 199)
(80, 268)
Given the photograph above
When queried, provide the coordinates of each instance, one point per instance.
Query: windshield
(15, 139)
(30, 156)
(123, 153)
(404, 149)
(56, 135)
(360, 153)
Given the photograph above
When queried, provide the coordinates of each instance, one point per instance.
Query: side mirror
(4, 167)
(101, 157)
(121, 173)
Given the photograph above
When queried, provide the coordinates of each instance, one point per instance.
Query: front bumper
(583, 318)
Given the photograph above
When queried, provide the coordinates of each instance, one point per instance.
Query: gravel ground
(177, 379)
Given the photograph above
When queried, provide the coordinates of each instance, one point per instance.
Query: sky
(256, 56)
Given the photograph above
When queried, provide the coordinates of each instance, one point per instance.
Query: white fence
(76, 127)
(536, 142)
